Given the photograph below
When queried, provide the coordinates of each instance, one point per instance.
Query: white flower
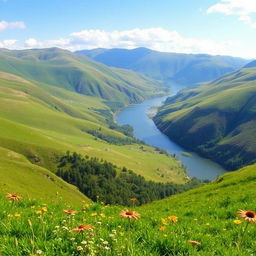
(79, 248)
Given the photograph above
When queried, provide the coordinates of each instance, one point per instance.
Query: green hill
(186, 69)
(217, 120)
(76, 73)
(206, 215)
(40, 122)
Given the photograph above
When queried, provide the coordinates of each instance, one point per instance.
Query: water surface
(144, 129)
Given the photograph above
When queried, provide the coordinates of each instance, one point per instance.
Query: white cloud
(154, 38)
(10, 44)
(11, 25)
(244, 9)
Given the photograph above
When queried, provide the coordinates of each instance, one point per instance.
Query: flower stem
(242, 237)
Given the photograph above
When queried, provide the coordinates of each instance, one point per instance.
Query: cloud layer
(154, 38)
(11, 25)
(244, 9)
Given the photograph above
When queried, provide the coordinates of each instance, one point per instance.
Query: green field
(207, 215)
(217, 120)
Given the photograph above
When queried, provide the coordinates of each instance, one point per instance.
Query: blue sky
(199, 26)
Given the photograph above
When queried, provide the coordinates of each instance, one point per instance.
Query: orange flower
(70, 212)
(14, 197)
(82, 228)
(173, 218)
(249, 216)
(194, 242)
(127, 214)
(162, 228)
(133, 199)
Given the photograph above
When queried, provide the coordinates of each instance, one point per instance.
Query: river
(144, 129)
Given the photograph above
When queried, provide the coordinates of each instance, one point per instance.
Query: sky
(218, 27)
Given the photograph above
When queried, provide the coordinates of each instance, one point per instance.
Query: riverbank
(146, 130)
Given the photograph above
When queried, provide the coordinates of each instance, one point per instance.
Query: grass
(205, 214)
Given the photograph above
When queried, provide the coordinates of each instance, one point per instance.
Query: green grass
(216, 120)
(205, 214)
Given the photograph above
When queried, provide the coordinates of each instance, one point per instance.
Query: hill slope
(42, 122)
(67, 70)
(206, 215)
(187, 69)
(217, 120)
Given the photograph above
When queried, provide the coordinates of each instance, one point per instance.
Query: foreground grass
(207, 215)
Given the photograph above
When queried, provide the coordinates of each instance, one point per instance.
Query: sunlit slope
(207, 215)
(18, 175)
(218, 120)
(78, 74)
(44, 122)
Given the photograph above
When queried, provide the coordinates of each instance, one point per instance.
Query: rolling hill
(61, 68)
(217, 120)
(40, 122)
(185, 69)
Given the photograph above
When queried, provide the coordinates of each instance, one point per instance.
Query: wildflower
(32, 207)
(126, 214)
(102, 215)
(38, 252)
(194, 242)
(162, 228)
(79, 248)
(70, 212)
(14, 197)
(249, 216)
(84, 242)
(44, 209)
(93, 214)
(17, 215)
(82, 228)
(173, 218)
(39, 212)
(133, 199)
(165, 235)
(237, 222)
(164, 221)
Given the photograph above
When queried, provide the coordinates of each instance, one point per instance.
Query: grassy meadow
(202, 221)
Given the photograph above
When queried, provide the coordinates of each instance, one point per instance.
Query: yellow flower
(94, 214)
(173, 218)
(38, 212)
(165, 235)
(86, 205)
(162, 228)
(32, 207)
(237, 222)
(164, 221)
(44, 209)
(17, 215)
(102, 215)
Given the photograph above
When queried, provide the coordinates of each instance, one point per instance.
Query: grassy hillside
(76, 73)
(42, 122)
(217, 120)
(186, 69)
(206, 215)
(18, 175)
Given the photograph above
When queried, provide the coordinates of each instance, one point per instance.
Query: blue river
(144, 129)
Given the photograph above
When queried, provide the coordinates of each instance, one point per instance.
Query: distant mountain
(251, 64)
(186, 69)
(76, 73)
(217, 120)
